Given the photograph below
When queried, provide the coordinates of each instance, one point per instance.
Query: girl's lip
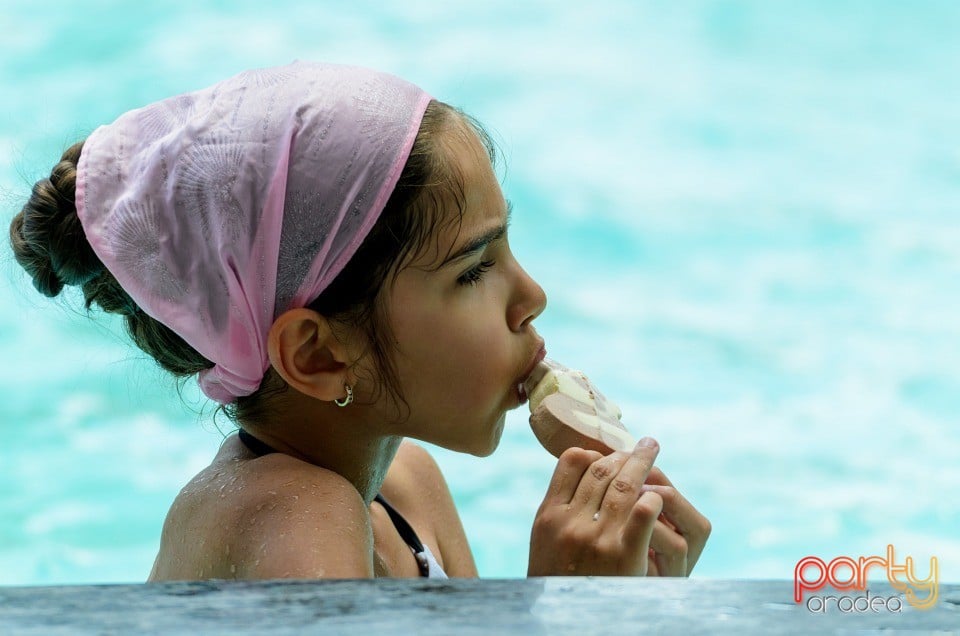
(522, 384)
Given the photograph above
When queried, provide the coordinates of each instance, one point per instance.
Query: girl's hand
(680, 533)
(598, 519)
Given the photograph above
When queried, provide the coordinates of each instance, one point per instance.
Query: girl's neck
(338, 440)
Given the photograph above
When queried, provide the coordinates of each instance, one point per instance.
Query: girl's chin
(485, 452)
(498, 434)
(486, 447)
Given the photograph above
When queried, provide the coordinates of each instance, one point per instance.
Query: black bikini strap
(255, 446)
(406, 532)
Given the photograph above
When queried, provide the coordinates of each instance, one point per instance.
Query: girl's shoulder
(275, 517)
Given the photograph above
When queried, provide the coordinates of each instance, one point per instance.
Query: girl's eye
(475, 275)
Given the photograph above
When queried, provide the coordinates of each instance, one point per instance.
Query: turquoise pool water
(746, 216)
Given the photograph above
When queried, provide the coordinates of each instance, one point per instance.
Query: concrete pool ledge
(419, 606)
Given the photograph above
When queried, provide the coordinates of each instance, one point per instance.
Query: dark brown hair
(49, 243)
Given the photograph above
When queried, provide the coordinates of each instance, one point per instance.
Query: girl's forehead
(461, 196)
(466, 152)
(464, 192)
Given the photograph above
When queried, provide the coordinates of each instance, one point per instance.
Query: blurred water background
(745, 215)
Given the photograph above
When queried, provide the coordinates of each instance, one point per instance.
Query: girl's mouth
(522, 390)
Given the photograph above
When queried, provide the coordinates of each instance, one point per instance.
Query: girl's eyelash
(475, 275)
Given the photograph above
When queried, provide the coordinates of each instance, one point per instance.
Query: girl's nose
(529, 301)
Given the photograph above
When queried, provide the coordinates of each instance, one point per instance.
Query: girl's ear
(307, 355)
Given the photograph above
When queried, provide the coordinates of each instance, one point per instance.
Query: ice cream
(567, 410)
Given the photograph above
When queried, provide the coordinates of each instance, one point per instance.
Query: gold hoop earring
(347, 400)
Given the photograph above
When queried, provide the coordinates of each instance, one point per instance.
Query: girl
(325, 247)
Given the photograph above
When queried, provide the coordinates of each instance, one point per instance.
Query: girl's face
(462, 319)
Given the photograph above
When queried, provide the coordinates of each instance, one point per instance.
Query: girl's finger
(573, 463)
(640, 525)
(595, 480)
(652, 569)
(670, 551)
(658, 477)
(678, 511)
(625, 488)
(687, 520)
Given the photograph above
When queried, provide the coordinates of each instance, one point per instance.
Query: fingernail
(649, 442)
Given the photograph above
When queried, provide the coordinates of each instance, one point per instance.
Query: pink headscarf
(219, 210)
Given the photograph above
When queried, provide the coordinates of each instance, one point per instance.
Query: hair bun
(49, 243)
(47, 237)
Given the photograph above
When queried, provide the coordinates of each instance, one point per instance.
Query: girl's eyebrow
(477, 244)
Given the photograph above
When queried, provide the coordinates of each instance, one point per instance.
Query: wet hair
(49, 243)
